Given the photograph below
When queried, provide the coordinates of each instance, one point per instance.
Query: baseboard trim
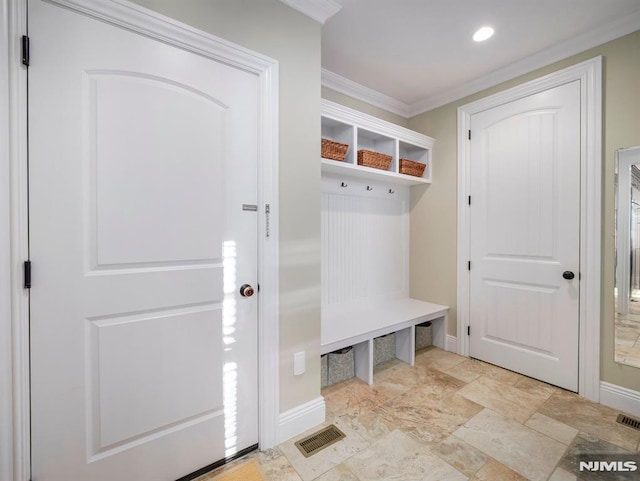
(619, 397)
(451, 344)
(301, 418)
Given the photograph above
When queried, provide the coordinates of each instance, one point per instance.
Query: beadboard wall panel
(365, 242)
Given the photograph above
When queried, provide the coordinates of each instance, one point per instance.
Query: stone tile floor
(450, 418)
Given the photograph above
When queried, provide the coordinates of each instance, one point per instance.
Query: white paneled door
(144, 353)
(525, 235)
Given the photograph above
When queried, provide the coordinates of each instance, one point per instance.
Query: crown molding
(605, 33)
(598, 36)
(348, 87)
(318, 10)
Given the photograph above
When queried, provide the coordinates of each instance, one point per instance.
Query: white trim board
(557, 52)
(589, 74)
(598, 36)
(14, 416)
(357, 91)
(14, 401)
(6, 362)
(301, 418)
(618, 397)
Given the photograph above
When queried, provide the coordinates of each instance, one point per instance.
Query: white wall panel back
(365, 235)
(343, 240)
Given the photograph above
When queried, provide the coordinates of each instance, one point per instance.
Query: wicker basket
(334, 150)
(411, 167)
(369, 158)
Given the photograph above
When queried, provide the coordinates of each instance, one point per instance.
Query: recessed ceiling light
(483, 34)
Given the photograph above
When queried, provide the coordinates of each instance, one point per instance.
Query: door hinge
(469, 134)
(468, 330)
(27, 274)
(26, 54)
(469, 200)
(469, 265)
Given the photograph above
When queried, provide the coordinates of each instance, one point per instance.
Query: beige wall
(268, 27)
(364, 107)
(433, 215)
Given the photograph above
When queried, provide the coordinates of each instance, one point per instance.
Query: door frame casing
(15, 456)
(589, 73)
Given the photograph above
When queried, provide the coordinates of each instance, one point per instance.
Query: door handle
(568, 275)
(246, 290)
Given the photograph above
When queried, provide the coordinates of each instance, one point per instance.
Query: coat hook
(391, 191)
(344, 184)
(369, 187)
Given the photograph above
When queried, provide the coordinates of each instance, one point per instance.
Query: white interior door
(525, 235)
(144, 354)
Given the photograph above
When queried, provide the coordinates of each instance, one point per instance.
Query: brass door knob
(246, 290)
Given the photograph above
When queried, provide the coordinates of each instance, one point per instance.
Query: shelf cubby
(417, 154)
(362, 131)
(340, 132)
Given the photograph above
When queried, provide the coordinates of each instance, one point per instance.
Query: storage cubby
(362, 131)
(340, 132)
(360, 328)
(384, 348)
(378, 143)
(417, 154)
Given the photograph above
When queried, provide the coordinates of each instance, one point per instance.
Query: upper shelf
(362, 131)
(353, 170)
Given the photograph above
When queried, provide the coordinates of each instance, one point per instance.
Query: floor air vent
(320, 440)
(628, 421)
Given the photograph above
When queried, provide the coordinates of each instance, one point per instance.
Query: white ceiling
(412, 55)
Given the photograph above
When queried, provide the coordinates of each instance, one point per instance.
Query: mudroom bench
(358, 326)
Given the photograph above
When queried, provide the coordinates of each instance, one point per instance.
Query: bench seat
(358, 326)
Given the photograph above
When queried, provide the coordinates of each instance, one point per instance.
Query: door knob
(568, 275)
(246, 290)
